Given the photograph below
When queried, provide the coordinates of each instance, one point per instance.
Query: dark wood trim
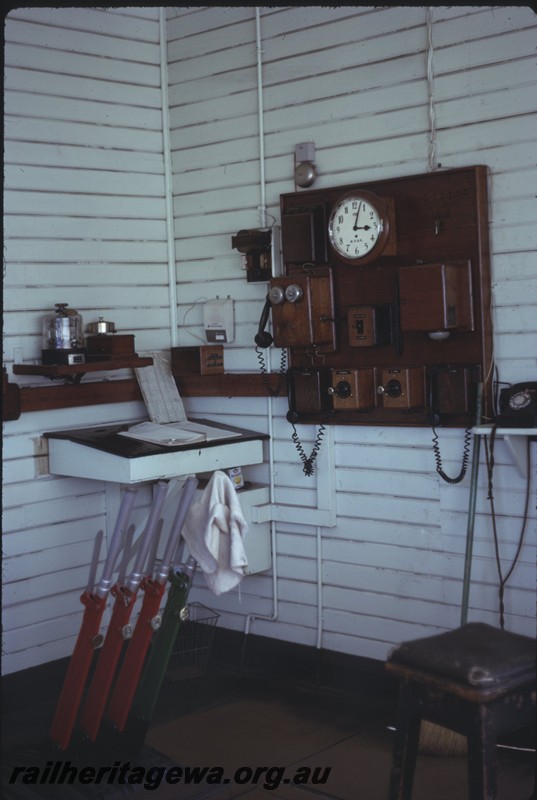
(71, 395)
(45, 398)
(238, 384)
(11, 399)
(72, 371)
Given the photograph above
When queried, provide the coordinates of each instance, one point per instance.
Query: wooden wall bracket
(25, 399)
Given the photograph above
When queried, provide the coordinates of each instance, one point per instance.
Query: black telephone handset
(452, 391)
(518, 406)
(307, 394)
(263, 338)
(293, 415)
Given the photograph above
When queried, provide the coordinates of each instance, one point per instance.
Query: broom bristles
(438, 741)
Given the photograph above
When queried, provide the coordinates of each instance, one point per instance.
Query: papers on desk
(167, 424)
(172, 434)
(159, 390)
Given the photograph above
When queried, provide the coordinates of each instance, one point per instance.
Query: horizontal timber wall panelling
(85, 224)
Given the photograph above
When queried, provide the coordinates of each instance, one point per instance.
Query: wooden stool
(476, 680)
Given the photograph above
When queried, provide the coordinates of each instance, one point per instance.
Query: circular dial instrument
(520, 400)
(358, 226)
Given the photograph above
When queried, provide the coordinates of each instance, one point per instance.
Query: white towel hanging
(214, 531)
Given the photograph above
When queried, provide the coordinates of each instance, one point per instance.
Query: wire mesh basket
(193, 645)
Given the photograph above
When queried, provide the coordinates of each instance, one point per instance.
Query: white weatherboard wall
(354, 81)
(85, 223)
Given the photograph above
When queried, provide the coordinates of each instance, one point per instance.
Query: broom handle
(471, 511)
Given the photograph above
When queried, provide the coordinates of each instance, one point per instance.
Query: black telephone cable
(265, 375)
(465, 457)
(490, 469)
(308, 461)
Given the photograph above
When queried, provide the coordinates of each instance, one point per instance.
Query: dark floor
(253, 737)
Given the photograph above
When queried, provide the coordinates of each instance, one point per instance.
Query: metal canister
(101, 327)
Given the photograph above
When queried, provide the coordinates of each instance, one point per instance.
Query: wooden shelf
(231, 384)
(69, 371)
(71, 394)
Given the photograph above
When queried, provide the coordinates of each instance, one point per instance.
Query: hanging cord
(264, 374)
(308, 461)
(490, 469)
(465, 457)
(467, 439)
(430, 91)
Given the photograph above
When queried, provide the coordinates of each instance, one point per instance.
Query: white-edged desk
(100, 453)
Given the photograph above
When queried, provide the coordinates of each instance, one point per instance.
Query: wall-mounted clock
(408, 256)
(359, 226)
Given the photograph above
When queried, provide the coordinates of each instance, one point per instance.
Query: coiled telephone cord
(465, 457)
(308, 461)
(265, 375)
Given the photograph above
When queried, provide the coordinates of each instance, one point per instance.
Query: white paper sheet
(159, 390)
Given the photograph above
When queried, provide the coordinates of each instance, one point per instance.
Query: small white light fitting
(439, 336)
(305, 152)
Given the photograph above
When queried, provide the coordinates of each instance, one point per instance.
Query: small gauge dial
(520, 400)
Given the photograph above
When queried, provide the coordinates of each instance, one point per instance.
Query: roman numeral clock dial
(358, 227)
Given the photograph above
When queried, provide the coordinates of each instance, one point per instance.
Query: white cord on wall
(260, 115)
(168, 181)
(432, 165)
(273, 616)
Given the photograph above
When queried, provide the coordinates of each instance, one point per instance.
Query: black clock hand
(355, 228)
(362, 228)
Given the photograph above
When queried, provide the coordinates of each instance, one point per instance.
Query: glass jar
(63, 336)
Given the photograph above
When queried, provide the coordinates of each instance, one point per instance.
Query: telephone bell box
(110, 347)
(218, 321)
(203, 360)
(436, 297)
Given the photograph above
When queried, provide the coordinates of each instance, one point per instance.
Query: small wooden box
(360, 383)
(203, 360)
(404, 387)
(436, 297)
(109, 347)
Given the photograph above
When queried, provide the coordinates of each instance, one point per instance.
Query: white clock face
(355, 227)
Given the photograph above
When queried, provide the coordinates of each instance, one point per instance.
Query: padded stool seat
(476, 680)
